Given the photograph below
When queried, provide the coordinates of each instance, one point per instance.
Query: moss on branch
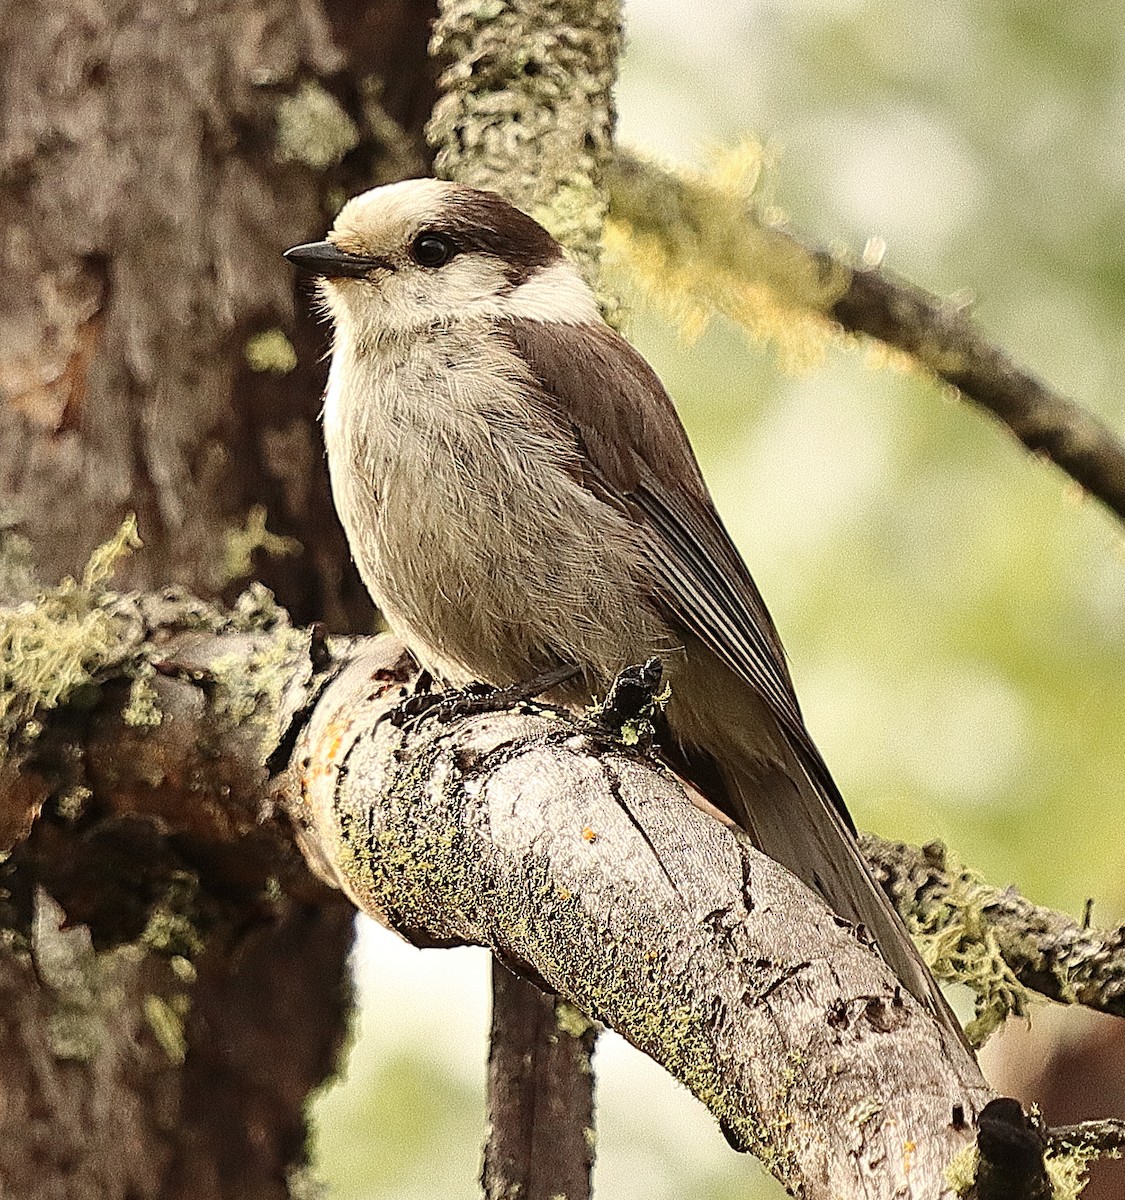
(526, 108)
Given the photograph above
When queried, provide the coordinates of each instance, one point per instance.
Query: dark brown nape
(485, 223)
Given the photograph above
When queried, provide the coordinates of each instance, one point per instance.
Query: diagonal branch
(585, 868)
(694, 221)
(578, 862)
(1039, 950)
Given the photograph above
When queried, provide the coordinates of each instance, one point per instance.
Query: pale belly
(485, 555)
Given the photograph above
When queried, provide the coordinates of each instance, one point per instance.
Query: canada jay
(519, 495)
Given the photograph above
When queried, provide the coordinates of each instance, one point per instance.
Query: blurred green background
(953, 608)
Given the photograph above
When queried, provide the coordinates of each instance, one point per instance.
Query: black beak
(327, 259)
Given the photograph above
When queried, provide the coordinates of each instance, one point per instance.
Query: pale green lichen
(639, 729)
(142, 709)
(183, 968)
(242, 541)
(64, 641)
(699, 245)
(71, 803)
(103, 561)
(571, 1021)
(1068, 1170)
(961, 1173)
(270, 352)
(173, 922)
(312, 128)
(166, 1020)
(863, 1111)
(526, 108)
(960, 945)
(249, 687)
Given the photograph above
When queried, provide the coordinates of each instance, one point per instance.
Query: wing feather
(637, 454)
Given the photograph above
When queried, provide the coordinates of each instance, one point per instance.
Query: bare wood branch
(693, 219)
(582, 866)
(539, 1054)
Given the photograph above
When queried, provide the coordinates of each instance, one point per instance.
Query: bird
(520, 496)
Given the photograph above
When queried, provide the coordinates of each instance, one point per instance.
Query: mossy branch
(578, 863)
(708, 241)
(994, 940)
(584, 868)
(526, 108)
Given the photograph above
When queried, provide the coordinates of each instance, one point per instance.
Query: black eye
(432, 249)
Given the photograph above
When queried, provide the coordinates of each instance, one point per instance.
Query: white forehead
(395, 208)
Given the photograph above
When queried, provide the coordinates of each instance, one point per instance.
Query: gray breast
(463, 510)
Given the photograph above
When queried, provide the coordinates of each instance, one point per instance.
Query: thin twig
(693, 219)
(1103, 1137)
(945, 341)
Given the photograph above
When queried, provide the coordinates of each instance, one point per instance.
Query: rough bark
(580, 866)
(539, 1056)
(154, 161)
(163, 1041)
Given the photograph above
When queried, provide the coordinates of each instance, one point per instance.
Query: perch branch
(580, 864)
(583, 867)
(694, 221)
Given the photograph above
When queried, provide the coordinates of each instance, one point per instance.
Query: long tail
(789, 817)
(736, 754)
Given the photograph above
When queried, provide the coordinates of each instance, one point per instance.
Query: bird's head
(424, 252)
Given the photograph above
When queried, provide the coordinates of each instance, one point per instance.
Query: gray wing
(639, 458)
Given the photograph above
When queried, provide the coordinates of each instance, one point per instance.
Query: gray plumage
(519, 494)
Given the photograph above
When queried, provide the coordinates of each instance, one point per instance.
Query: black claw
(632, 694)
(473, 700)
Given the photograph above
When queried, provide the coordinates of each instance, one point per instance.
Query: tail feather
(789, 818)
(729, 742)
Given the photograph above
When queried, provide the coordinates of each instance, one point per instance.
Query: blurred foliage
(954, 610)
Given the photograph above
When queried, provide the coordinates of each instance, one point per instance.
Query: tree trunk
(155, 159)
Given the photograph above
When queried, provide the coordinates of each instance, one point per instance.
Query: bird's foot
(632, 702)
(473, 699)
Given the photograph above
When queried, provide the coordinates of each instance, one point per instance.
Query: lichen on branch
(65, 640)
(526, 108)
(724, 255)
